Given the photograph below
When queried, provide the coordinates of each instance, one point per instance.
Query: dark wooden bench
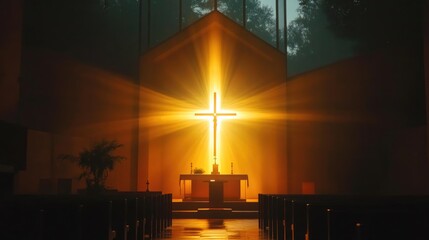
(122, 216)
(343, 217)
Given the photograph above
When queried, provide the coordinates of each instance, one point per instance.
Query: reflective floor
(214, 229)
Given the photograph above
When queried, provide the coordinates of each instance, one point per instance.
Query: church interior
(259, 101)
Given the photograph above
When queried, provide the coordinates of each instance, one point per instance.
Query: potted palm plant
(96, 162)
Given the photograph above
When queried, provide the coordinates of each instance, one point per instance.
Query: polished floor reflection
(214, 229)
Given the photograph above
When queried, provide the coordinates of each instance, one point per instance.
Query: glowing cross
(215, 114)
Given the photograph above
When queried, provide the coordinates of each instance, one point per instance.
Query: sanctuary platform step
(202, 210)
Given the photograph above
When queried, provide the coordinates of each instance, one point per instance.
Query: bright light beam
(215, 115)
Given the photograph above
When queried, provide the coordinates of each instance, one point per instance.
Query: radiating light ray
(163, 114)
(166, 112)
(214, 63)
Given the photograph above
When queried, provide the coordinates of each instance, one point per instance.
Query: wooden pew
(121, 216)
(349, 217)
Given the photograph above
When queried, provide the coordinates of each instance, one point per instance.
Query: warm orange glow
(252, 140)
